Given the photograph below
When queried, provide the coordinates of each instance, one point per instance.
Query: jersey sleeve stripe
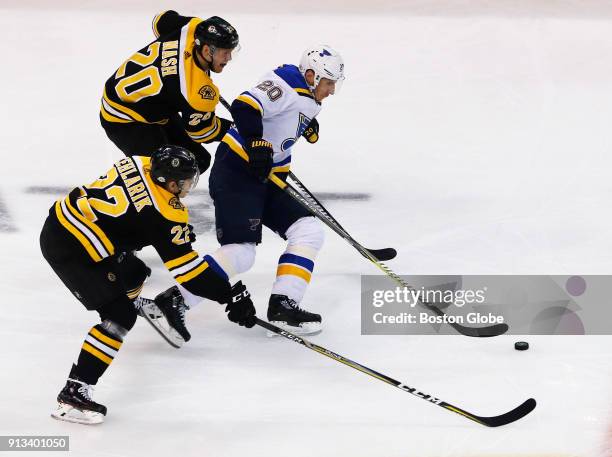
(155, 21)
(178, 271)
(109, 112)
(210, 132)
(170, 264)
(192, 274)
(251, 101)
(123, 109)
(283, 169)
(216, 267)
(235, 146)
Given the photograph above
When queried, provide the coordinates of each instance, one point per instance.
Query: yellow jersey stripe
(293, 271)
(96, 353)
(105, 339)
(155, 21)
(235, 146)
(111, 118)
(133, 294)
(192, 274)
(123, 109)
(303, 91)
(93, 253)
(97, 230)
(281, 169)
(212, 126)
(180, 260)
(249, 101)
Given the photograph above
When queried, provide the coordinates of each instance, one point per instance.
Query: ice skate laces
(291, 303)
(86, 390)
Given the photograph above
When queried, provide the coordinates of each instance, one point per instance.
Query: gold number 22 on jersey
(181, 234)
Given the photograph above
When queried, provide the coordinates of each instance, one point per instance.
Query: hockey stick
(493, 421)
(493, 330)
(382, 255)
(315, 210)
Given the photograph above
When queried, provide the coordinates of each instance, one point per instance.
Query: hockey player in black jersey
(136, 203)
(143, 98)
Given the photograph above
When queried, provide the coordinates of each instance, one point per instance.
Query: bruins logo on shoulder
(207, 93)
(187, 54)
(176, 203)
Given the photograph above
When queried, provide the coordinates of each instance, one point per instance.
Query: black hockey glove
(260, 157)
(192, 235)
(225, 126)
(312, 131)
(240, 307)
(203, 160)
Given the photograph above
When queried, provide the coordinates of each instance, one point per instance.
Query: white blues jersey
(286, 105)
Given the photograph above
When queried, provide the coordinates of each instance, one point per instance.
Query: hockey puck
(521, 345)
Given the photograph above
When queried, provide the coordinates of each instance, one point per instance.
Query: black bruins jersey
(163, 79)
(125, 210)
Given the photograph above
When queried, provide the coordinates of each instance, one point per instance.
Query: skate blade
(69, 413)
(305, 328)
(156, 318)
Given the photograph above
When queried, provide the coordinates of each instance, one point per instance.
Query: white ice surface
(484, 140)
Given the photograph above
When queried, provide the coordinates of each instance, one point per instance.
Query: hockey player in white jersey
(268, 120)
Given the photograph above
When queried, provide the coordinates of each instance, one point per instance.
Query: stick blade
(383, 254)
(482, 332)
(511, 416)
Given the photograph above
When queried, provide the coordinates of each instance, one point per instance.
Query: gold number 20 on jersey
(148, 73)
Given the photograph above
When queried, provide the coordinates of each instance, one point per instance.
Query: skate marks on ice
(6, 223)
(200, 205)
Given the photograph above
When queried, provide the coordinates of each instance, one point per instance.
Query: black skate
(286, 314)
(75, 403)
(173, 306)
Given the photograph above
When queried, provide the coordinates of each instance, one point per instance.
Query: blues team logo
(303, 123)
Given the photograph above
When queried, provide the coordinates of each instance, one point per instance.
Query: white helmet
(325, 62)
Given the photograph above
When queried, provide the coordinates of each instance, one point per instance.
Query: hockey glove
(312, 131)
(260, 157)
(240, 307)
(225, 126)
(203, 160)
(192, 235)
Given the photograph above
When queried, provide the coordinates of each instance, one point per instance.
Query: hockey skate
(76, 405)
(148, 309)
(172, 304)
(286, 314)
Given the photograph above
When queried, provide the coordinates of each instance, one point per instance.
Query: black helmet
(174, 163)
(216, 32)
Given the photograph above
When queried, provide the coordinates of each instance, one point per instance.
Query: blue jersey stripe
(216, 267)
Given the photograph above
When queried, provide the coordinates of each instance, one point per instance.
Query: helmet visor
(187, 185)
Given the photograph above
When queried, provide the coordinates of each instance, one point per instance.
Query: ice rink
(474, 137)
